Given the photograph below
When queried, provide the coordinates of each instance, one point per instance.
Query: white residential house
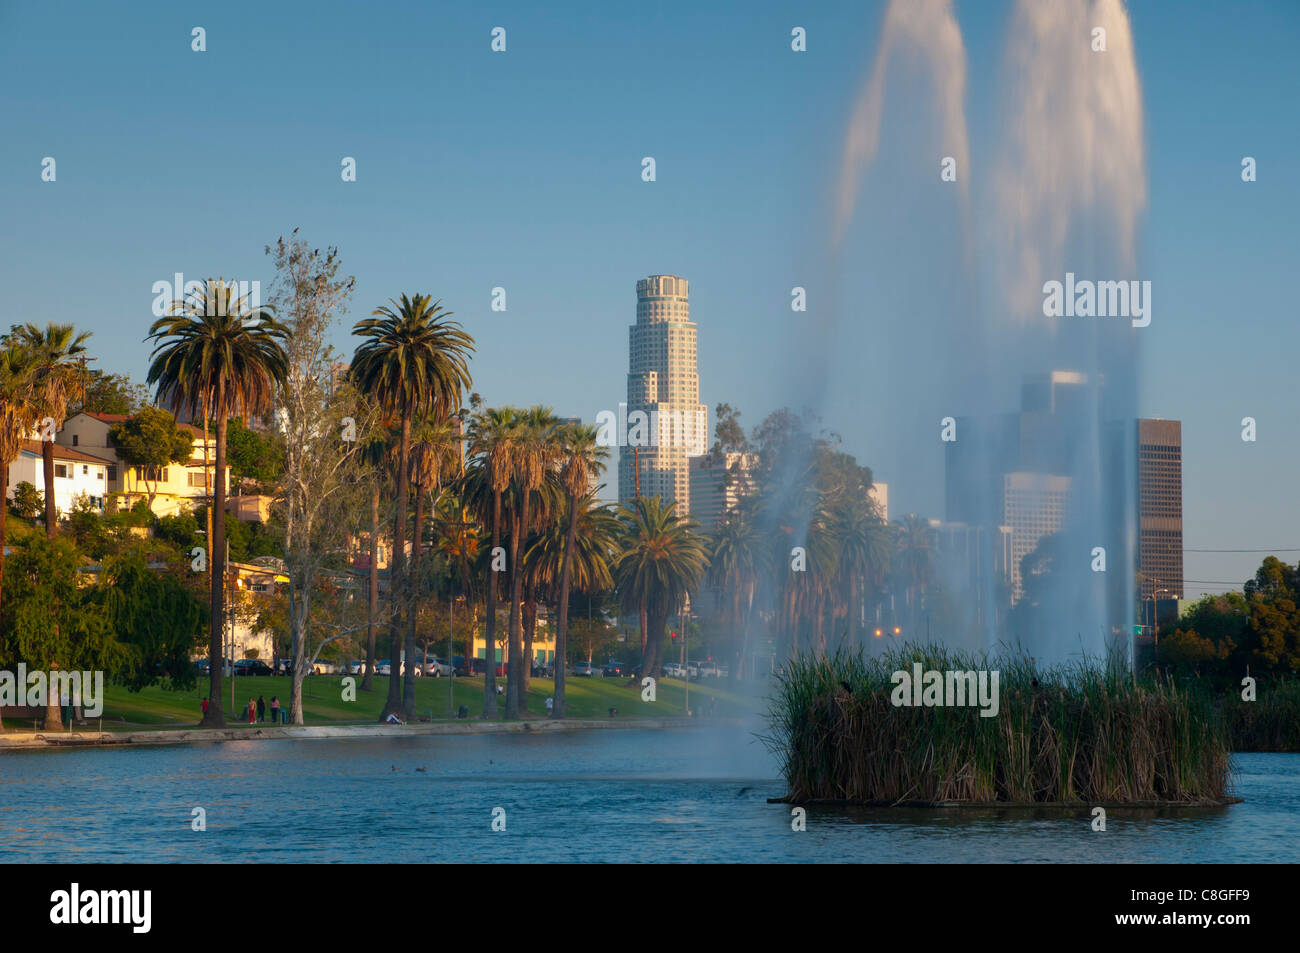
(75, 473)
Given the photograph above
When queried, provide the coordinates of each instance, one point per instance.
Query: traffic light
(674, 635)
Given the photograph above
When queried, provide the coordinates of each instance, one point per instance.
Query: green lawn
(323, 700)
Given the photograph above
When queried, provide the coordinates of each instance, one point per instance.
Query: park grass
(1073, 735)
(161, 707)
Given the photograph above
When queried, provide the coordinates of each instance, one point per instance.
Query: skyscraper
(663, 389)
(1160, 507)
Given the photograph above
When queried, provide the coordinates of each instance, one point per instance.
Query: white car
(674, 670)
(584, 668)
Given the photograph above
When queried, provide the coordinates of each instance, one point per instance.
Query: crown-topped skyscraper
(663, 384)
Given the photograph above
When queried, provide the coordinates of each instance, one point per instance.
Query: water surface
(690, 795)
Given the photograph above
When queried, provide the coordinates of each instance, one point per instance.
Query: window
(197, 480)
(75, 438)
(61, 470)
(154, 474)
(99, 473)
(84, 470)
(112, 472)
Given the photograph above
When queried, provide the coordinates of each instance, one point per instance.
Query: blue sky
(522, 170)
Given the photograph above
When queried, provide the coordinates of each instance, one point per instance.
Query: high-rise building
(718, 484)
(1160, 508)
(663, 389)
(1034, 506)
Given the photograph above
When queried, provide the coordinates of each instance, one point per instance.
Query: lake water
(625, 796)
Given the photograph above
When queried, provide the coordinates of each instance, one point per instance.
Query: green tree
(150, 441)
(738, 560)
(28, 501)
(50, 621)
(252, 455)
(413, 363)
(57, 375)
(158, 621)
(220, 356)
(109, 394)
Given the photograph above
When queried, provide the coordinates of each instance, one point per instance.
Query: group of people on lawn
(256, 710)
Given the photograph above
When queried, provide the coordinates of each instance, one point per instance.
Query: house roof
(106, 418)
(110, 419)
(64, 453)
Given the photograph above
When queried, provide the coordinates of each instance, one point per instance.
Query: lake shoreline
(27, 740)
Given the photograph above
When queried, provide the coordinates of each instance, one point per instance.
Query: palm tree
(58, 375)
(374, 456)
(220, 355)
(581, 459)
(17, 414)
(534, 454)
(864, 542)
(662, 561)
(433, 456)
(914, 550)
(492, 441)
(413, 363)
(738, 560)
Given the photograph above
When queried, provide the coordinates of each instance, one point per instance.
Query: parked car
(674, 670)
(708, 669)
(584, 669)
(436, 668)
(458, 664)
(480, 668)
(616, 670)
(252, 666)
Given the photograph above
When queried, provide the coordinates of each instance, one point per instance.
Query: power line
(1241, 550)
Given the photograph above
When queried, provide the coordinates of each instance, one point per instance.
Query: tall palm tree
(493, 443)
(581, 458)
(864, 543)
(413, 363)
(535, 453)
(374, 458)
(59, 374)
(915, 549)
(663, 560)
(17, 414)
(433, 458)
(738, 560)
(221, 355)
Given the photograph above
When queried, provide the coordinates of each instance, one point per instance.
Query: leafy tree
(110, 394)
(158, 621)
(150, 441)
(50, 620)
(252, 455)
(729, 435)
(28, 501)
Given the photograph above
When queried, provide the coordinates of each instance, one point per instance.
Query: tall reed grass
(1077, 734)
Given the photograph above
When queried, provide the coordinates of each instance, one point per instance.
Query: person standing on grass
(252, 711)
(205, 705)
(275, 709)
(261, 709)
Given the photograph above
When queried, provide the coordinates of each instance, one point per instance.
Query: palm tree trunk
(515, 705)
(408, 680)
(490, 652)
(562, 622)
(47, 464)
(397, 582)
(530, 629)
(214, 718)
(372, 603)
(4, 512)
